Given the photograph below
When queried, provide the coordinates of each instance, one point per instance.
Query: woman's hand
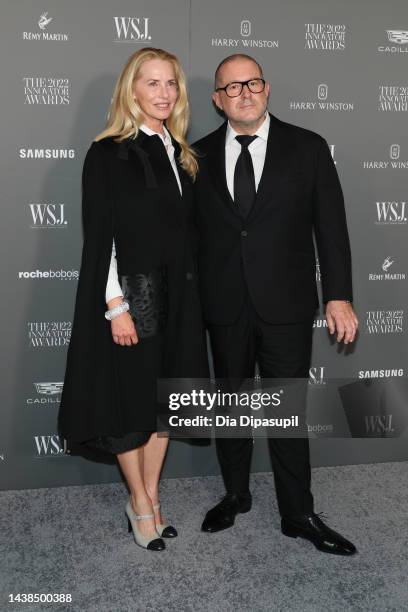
(124, 330)
(122, 327)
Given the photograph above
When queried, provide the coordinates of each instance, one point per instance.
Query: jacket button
(189, 275)
(244, 233)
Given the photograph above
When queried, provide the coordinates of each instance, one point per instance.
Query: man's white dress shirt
(113, 288)
(257, 149)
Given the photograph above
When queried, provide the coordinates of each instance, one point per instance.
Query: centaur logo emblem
(245, 28)
(44, 21)
(387, 263)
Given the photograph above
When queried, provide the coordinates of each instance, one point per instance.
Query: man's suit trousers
(281, 351)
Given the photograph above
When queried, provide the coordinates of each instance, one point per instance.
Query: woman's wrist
(117, 310)
(114, 302)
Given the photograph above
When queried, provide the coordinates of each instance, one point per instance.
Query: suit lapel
(274, 164)
(216, 166)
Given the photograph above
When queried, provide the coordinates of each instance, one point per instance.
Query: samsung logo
(47, 153)
(381, 373)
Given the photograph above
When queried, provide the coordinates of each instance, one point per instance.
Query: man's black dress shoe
(223, 514)
(311, 527)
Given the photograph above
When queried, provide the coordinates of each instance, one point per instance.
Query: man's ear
(216, 99)
(267, 89)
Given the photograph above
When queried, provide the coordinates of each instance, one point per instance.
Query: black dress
(152, 225)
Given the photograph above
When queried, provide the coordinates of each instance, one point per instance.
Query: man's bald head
(232, 58)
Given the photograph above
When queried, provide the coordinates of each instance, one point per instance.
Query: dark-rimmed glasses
(234, 89)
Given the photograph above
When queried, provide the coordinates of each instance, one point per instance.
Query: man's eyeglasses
(234, 89)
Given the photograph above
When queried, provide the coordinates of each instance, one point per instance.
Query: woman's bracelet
(118, 310)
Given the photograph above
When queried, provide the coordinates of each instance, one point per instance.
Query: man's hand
(341, 317)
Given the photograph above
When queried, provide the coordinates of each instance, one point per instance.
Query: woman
(137, 314)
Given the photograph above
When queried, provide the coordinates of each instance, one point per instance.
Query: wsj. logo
(50, 446)
(322, 91)
(390, 213)
(245, 28)
(395, 150)
(44, 21)
(379, 424)
(316, 376)
(132, 29)
(47, 215)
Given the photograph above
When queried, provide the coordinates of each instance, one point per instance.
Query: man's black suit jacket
(272, 250)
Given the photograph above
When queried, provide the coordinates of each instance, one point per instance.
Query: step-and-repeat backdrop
(339, 69)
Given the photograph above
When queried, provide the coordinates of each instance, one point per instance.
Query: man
(264, 187)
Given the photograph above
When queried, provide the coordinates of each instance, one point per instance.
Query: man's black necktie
(244, 178)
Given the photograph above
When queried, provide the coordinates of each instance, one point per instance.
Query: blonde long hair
(125, 114)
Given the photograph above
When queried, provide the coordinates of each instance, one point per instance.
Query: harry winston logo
(395, 151)
(322, 91)
(245, 27)
(245, 40)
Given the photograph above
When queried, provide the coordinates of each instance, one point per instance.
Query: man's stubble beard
(253, 122)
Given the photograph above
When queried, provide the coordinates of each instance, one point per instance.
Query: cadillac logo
(48, 388)
(398, 36)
